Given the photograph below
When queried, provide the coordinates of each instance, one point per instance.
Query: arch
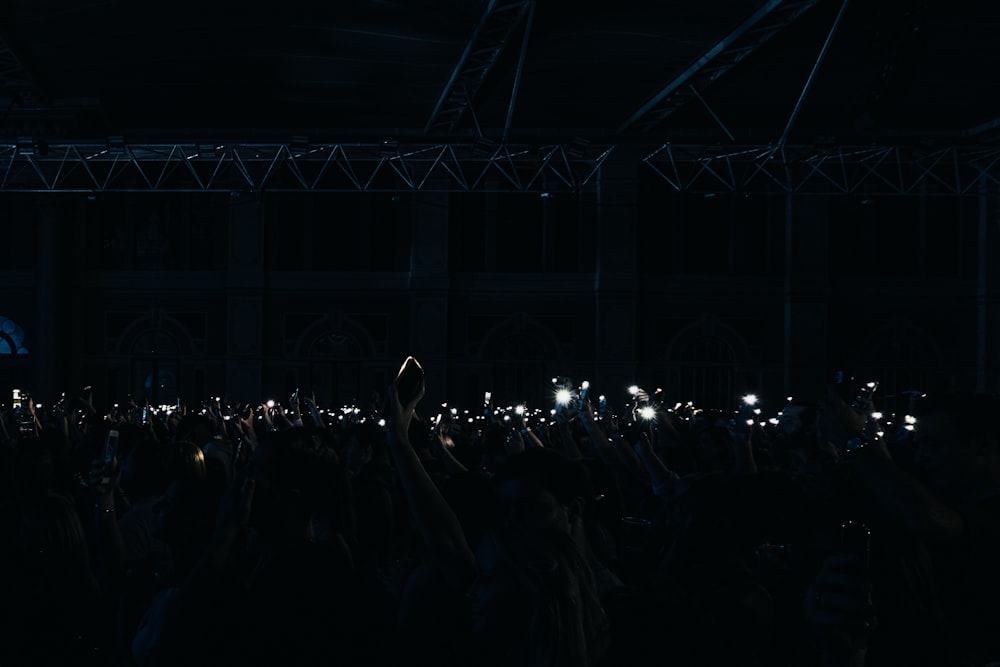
(704, 333)
(901, 356)
(519, 350)
(703, 360)
(335, 336)
(156, 333)
(520, 338)
(11, 337)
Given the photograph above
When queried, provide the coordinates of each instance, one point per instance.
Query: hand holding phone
(409, 381)
(110, 451)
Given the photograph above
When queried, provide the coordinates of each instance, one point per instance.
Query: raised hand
(839, 608)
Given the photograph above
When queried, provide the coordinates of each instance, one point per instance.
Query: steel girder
(864, 170)
(13, 74)
(759, 27)
(115, 166)
(498, 23)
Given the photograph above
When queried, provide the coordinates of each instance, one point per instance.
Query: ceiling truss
(115, 166)
(844, 170)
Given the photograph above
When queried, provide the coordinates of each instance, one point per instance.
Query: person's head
(957, 442)
(541, 488)
(148, 468)
(55, 561)
(195, 428)
(184, 518)
(294, 478)
(797, 419)
(534, 600)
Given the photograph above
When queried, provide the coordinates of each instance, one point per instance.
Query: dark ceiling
(376, 69)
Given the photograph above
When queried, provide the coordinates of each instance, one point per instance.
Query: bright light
(454, 411)
(750, 399)
(788, 398)
(876, 415)
(563, 397)
(585, 385)
(602, 398)
(270, 404)
(773, 421)
(910, 419)
(381, 422)
(647, 412)
(634, 389)
(871, 385)
(756, 411)
(519, 410)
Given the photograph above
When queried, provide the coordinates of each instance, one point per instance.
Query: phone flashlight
(584, 388)
(563, 397)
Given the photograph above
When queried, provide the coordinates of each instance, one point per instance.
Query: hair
(974, 414)
(54, 548)
(567, 625)
(303, 464)
(151, 465)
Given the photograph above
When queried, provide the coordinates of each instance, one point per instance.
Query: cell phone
(409, 380)
(110, 445)
(15, 398)
(145, 415)
(110, 450)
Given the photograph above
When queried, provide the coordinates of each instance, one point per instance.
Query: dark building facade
(705, 294)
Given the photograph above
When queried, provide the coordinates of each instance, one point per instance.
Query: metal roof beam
(489, 39)
(769, 19)
(119, 166)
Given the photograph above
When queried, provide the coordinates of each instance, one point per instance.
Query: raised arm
(899, 494)
(438, 526)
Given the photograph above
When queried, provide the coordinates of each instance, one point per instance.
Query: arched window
(707, 363)
(520, 350)
(155, 343)
(336, 348)
(11, 337)
(903, 358)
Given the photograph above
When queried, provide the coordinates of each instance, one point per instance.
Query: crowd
(402, 534)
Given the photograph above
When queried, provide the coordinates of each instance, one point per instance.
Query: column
(48, 346)
(807, 295)
(244, 300)
(615, 277)
(428, 290)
